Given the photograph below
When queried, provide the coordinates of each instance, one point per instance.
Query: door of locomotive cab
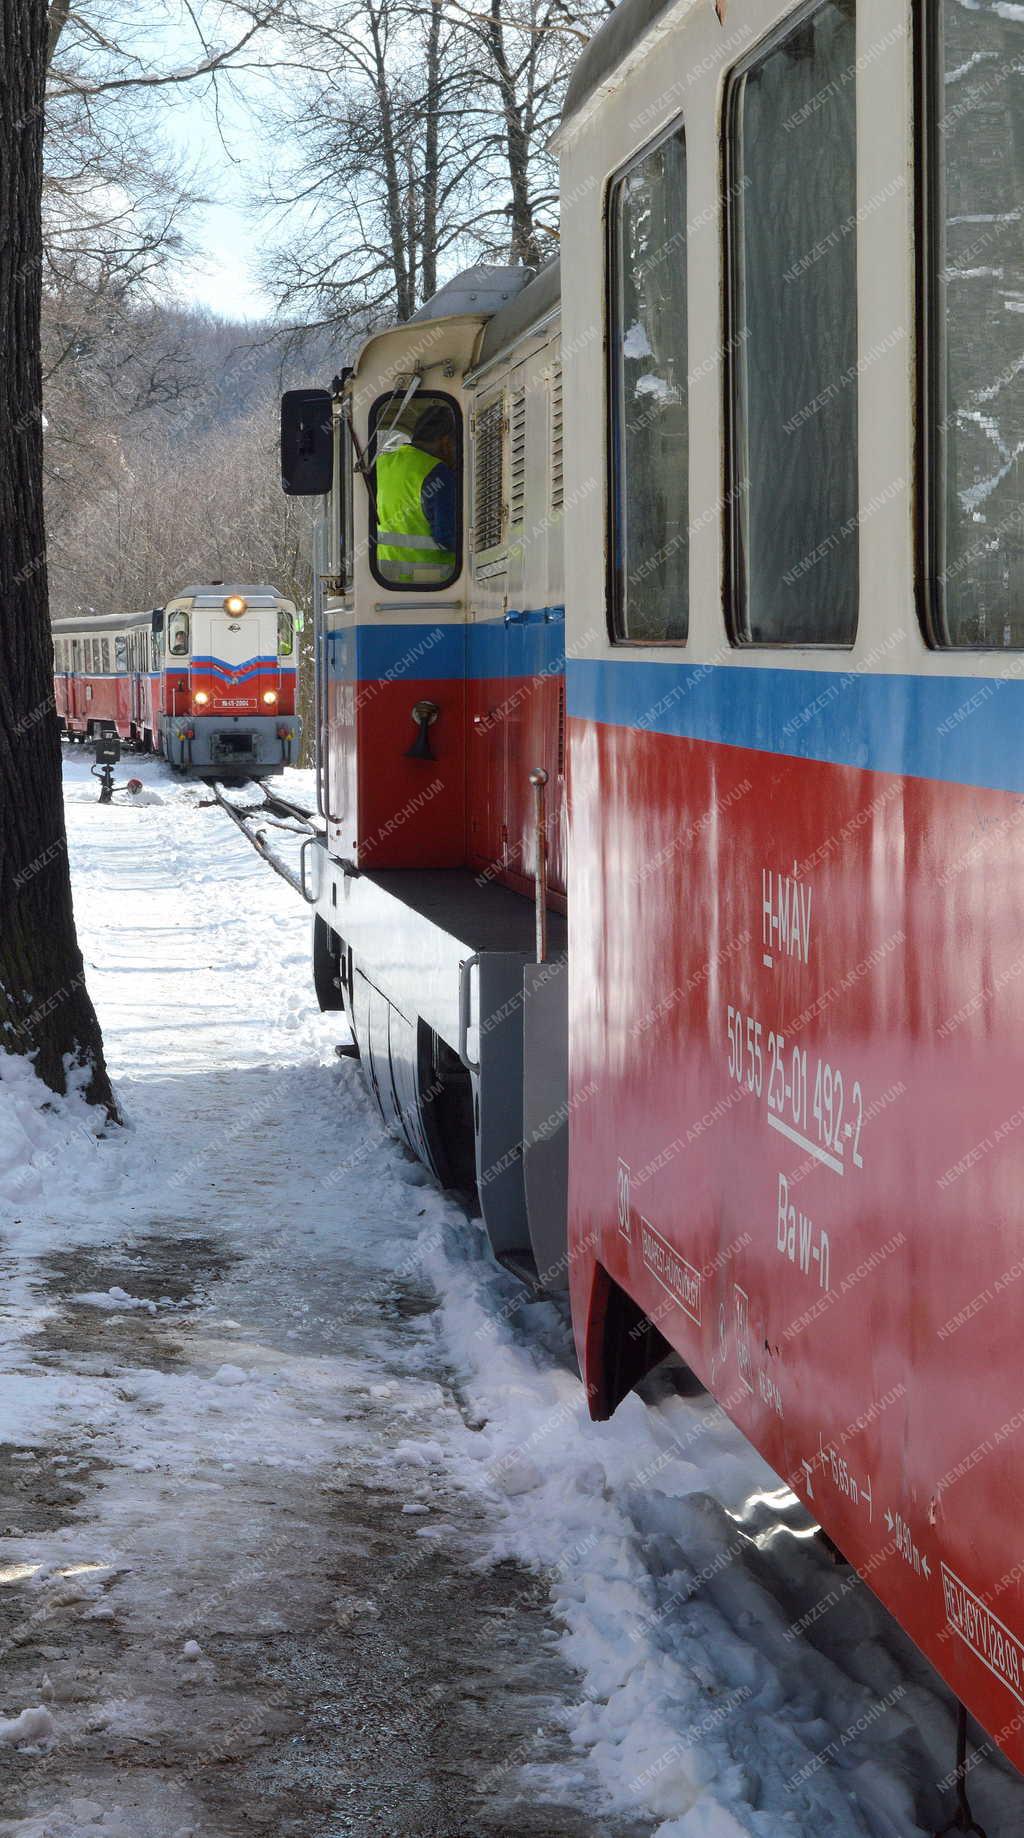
(76, 694)
(487, 638)
(140, 680)
(64, 651)
(487, 832)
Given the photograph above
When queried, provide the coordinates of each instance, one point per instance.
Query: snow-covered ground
(304, 1527)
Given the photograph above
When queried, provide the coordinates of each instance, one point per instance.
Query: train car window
(177, 634)
(285, 634)
(155, 651)
(416, 508)
(106, 656)
(971, 455)
(791, 344)
(120, 654)
(650, 548)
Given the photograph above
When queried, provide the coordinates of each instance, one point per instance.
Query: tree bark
(45, 1010)
(404, 290)
(430, 162)
(524, 242)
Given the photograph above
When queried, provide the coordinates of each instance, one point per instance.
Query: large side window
(791, 344)
(650, 549)
(416, 510)
(972, 301)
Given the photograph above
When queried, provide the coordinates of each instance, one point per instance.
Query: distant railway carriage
(209, 680)
(746, 1071)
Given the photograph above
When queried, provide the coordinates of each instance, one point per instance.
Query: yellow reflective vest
(403, 531)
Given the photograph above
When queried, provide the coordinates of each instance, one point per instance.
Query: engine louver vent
(488, 508)
(557, 479)
(517, 458)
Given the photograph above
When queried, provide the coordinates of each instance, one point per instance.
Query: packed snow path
(304, 1530)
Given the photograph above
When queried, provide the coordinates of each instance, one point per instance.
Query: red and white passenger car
(209, 680)
(761, 1101)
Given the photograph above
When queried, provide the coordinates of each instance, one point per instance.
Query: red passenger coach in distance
(746, 1071)
(209, 680)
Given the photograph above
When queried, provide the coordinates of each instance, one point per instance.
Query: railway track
(274, 807)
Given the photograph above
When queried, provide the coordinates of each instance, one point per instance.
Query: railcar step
(521, 1263)
(347, 1049)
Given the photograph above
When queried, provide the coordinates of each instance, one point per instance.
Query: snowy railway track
(273, 805)
(266, 1396)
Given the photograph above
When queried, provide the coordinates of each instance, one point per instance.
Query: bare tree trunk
(45, 1009)
(58, 19)
(396, 225)
(525, 245)
(430, 162)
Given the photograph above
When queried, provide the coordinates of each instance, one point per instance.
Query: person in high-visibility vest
(417, 501)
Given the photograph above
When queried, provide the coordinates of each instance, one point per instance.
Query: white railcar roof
(214, 593)
(484, 289)
(621, 33)
(537, 304)
(88, 623)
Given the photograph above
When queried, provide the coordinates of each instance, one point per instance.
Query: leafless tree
(520, 54)
(418, 144)
(115, 205)
(45, 1010)
(373, 186)
(109, 213)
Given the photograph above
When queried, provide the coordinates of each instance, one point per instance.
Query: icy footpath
(281, 1532)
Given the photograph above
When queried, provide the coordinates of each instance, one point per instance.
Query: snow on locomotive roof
(622, 33)
(537, 302)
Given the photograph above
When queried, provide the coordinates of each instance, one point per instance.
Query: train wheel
(327, 966)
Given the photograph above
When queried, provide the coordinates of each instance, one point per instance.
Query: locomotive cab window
(177, 634)
(650, 549)
(972, 303)
(791, 345)
(285, 634)
(416, 507)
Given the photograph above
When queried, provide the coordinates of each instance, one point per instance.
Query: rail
(271, 801)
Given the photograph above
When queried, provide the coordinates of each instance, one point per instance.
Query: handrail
(466, 969)
(539, 779)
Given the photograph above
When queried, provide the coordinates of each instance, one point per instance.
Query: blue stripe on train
(236, 673)
(516, 644)
(961, 730)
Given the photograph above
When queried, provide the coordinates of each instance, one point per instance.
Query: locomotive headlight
(234, 604)
(201, 698)
(270, 697)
